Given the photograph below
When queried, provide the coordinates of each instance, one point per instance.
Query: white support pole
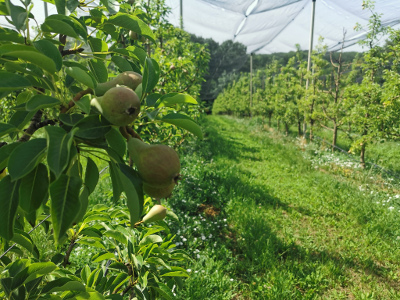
(251, 83)
(310, 48)
(46, 12)
(181, 13)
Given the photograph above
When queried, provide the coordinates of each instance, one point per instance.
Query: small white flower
(231, 279)
(391, 208)
(189, 270)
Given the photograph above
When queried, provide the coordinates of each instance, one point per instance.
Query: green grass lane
(294, 232)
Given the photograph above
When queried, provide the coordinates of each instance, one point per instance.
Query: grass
(263, 221)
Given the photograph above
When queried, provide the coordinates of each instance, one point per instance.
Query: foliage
(362, 95)
(55, 143)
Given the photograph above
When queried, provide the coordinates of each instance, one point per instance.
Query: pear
(135, 36)
(129, 78)
(158, 165)
(156, 213)
(119, 105)
(158, 192)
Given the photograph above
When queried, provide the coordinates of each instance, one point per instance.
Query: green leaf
(151, 239)
(66, 25)
(8, 206)
(92, 127)
(50, 50)
(63, 284)
(41, 101)
(36, 58)
(97, 217)
(104, 257)
(116, 141)
(164, 291)
(117, 235)
(91, 241)
(98, 69)
(19, 119)
(84, 201)
(6, 128)
(122, 64)
(33, 190)
(5, 153)
(65, 204)
(70, 119)
(133, 23)
(26, 157)
(151, 75)
(91, 175)
(11, 82)
(59, 144)
(81, 76)
(39, 269)
(18, 14)
(60, 5)
(23, 239)
(98, 45)
(84, 104)
(184, 122)
(117, 186)
(133, 191)
(171, 99)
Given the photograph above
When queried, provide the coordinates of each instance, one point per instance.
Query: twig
(33, 126)
(68, 253)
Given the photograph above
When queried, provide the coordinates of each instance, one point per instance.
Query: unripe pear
(158, 165)
(158, 192)
(119, 105)
(156, 213)
(129, 78)
(135, 36)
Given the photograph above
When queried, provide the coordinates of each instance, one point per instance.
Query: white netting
(268, 26)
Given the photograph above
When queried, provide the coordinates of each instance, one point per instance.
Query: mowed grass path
(295, 232)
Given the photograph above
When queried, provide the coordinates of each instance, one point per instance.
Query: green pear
(158, 165)
(119, 105)
(129, 78)
(135, 36)
(158, 192)
(156, 213)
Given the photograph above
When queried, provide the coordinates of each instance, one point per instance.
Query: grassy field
(267, 218)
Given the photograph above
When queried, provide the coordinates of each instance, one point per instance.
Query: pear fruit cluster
(158, 165)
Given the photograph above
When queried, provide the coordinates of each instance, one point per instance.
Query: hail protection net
(270, 26)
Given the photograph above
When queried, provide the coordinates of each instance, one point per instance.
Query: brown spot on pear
(156, 213)
(119, 105)
(158, 165)
(129, 78)
(157, 191)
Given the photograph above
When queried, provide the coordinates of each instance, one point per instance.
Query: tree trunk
(286, 129)
(278, 124)
(299, 127)
(270, 120)
(334, 139)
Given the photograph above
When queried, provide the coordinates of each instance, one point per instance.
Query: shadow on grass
(257, 249)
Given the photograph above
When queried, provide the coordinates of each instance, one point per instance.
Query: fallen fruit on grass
(129, 78)
(158, 165)
(157, 191)
(119, 105)
(156, 213)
